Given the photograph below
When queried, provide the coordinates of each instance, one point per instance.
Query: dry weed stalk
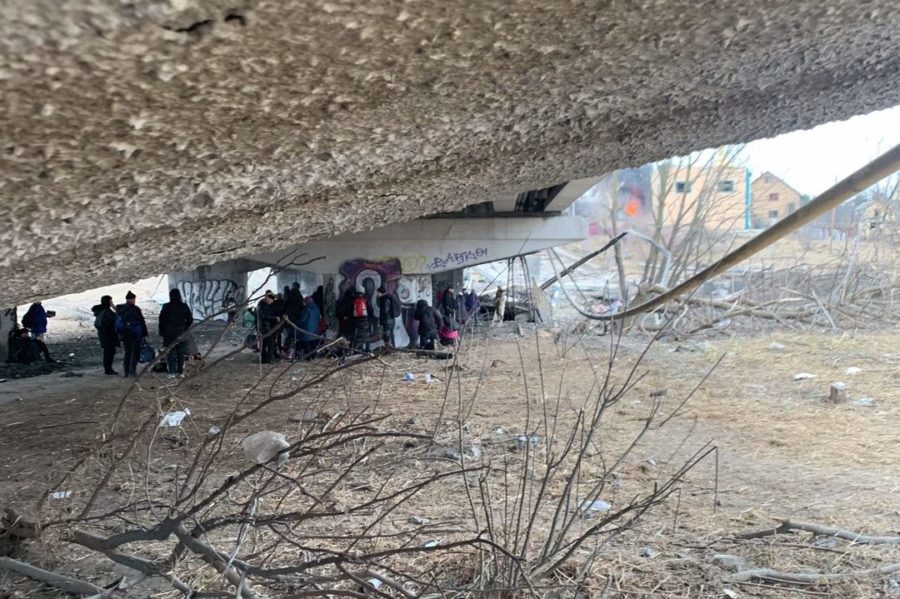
(323, 524)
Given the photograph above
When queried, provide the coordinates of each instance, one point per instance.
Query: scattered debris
(863, 402)
(429, 379)
(825, 542)
(431, 543)
(72, 355)
(729, 594)
(802, 376)
(837, 393)
(214, 430)
(173, 419)
(497, 363)
(417, 520)
(309, 417)
(775, 346)
(264, 446)
(659, 393)
(60, 494)
(693, 346)
(648, 552)
(729, 562)
(409, 377)
(589, 508)
(851, 370)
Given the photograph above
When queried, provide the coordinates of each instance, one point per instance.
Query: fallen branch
(813, 578)
(827, 531)
(62, 582)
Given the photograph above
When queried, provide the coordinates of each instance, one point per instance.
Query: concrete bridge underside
(153, 136)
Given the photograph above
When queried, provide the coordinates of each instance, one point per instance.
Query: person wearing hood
(309, 324)
(105, 323)
(35, 320)
(132, 330)
(430, 323)
(175, 319)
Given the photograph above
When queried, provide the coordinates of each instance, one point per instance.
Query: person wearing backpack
(35, 320)
(388, 311)
(362, 329)
(132, 330)
(175, 319)
(105, 323)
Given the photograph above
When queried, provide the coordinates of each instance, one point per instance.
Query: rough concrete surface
(156, 135)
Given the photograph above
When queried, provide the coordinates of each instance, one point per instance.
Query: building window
(682, 186)
(773, 214)
(773, 197)
(726, 186)
(791, 208)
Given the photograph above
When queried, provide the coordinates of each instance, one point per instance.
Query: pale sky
(814, 159)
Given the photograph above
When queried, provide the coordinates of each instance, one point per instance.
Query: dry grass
(783, 450)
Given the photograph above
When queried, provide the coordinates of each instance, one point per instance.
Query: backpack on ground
(360, 309)
(147, 353)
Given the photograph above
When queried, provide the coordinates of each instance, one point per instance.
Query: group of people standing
(288, 325)
(124, 325)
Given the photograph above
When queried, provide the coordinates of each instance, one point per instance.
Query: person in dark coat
(35, 320)
(175, 319)
(472, 306)
(105, 323)
(430, 322)
(25, 349)
(293, 308)
(279, 311)
(132, 330)
(388, 305)
(319, 298)
(267, 316)
(448, 303)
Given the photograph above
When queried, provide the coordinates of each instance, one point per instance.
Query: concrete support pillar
(205, 288)
(8, 319)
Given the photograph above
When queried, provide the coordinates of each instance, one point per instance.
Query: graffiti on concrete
(408, 264)
(368, 275)
(207, 297)
(458, 259)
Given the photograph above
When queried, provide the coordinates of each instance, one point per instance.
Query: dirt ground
(783, 450)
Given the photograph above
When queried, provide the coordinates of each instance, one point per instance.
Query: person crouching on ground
(429, 323)
(105, 323)
(175, 319)
(132, 330)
